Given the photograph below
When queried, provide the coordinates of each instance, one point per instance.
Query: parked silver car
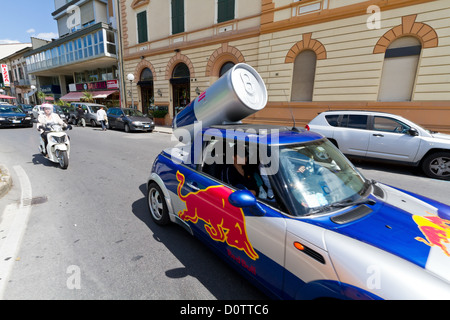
(386, 137)
(90, 111)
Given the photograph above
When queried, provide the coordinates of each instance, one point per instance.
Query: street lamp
(130, 78)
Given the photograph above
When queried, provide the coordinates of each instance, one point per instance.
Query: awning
(76, 96)
(102, 94)
(72, 96)
(2, 96)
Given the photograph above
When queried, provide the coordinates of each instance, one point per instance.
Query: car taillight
(307, 127)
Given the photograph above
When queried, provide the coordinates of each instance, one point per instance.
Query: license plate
(146, 126)
(16, 121)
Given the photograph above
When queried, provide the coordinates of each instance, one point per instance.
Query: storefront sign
(101, 85)
(113, 84)
(5, 75)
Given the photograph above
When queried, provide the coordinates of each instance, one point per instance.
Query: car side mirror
(413, 132)
(246, 199)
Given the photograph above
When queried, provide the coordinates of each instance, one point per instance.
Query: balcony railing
(87, 44)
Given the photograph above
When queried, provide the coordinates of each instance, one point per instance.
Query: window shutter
(142, 27)
(177, 16)
(225, 10)
(304, 76)
(399, 70)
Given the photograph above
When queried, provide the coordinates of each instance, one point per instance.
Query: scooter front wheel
(63, 159)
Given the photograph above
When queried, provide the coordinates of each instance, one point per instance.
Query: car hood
(441, 136)
(141, 119)
(12, 114)
(412, 227)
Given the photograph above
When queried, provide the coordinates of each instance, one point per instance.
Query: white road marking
(11, 244)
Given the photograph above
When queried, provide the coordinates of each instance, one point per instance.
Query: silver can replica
(236, 95)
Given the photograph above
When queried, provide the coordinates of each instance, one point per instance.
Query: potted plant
(159, 114)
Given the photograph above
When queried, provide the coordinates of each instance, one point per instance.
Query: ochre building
(314, 55)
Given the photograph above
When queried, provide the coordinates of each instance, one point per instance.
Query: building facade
(11, 57)
(314, 55)
(84, 57)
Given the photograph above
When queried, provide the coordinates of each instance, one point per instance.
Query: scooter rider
(48, 118)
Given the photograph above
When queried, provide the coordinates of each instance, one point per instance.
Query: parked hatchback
(386, 137)
(129, 120)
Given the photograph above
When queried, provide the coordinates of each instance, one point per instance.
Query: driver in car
(48, 118)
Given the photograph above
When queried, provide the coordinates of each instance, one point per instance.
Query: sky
(22, 19)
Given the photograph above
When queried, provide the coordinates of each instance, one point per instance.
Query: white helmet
(47, 106)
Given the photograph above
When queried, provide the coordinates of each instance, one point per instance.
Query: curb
(5, 181)
(163, 129)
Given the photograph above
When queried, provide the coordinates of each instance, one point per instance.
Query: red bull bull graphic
(207, 205)
(436, 231)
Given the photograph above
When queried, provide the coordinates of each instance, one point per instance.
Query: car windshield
(317, 178)
(96, 108)
(133, 113)
(26, 107)
(9, 109)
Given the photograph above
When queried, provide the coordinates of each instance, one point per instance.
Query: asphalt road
(86, 232)
(89, 234)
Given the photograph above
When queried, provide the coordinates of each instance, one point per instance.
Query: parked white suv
(387, 137)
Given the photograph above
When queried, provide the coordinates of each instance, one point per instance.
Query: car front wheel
(437, 165)
(157, 205)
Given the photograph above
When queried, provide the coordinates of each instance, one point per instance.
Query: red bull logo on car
(207, 205)
(436, 231)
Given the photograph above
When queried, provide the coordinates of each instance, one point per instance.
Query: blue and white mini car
(303, 223)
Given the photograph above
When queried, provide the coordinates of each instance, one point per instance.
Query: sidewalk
(5, 180)
(163, 129)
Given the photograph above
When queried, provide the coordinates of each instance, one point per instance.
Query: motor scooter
(58, 146)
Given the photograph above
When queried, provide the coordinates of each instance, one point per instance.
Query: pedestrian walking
(102, 118)
(80, 117)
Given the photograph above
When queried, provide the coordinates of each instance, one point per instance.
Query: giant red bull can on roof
(236, 95)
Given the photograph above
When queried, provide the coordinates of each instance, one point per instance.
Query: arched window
(225, 68)
(147, 75)
(304, 75)
(400, 69)
(181, 71)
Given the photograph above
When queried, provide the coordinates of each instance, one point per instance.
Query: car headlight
(27, 118)
(2, 119)
(137, 123)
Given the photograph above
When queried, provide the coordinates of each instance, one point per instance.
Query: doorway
(180, 87)
(147, 94)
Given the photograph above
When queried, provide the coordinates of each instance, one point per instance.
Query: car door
(390, 140)
(253, 243)
(120, 115)
(351, 134)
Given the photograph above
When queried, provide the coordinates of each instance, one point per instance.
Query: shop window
(304, 75)
(225, 10)
(400, 69)
(147, 91)
(142, 27)
(177, 16)
(181, 87)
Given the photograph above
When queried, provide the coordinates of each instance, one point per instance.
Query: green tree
(41, 96)
(87, 97)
